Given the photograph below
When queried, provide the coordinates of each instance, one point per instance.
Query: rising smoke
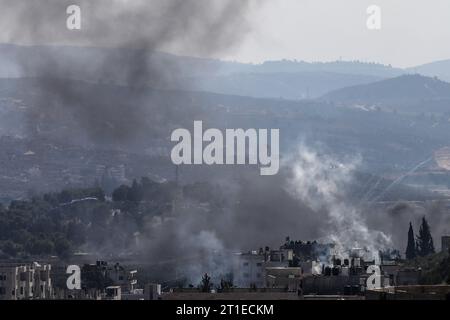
(103, 82)
(308, 200)
(125, 39)
(322, 182)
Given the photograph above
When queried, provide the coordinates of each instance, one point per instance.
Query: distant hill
(286, 85)
(343, 67)
(405, 89)
(273, 79)
(59, 125)
(440, 69)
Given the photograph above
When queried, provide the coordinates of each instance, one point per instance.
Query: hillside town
(189, 150)
(295, 271)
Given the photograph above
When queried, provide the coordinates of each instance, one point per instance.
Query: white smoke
(321, 182)
(187, 244)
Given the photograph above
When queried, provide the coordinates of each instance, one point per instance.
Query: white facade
(25, 281)
(249, 270)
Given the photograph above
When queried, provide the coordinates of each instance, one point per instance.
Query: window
(258, 275)
(259, 264)
(21, 290)
(2, 291)
(246, 275)
(245, 264)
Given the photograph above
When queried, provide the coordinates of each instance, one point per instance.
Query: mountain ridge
(399, 90)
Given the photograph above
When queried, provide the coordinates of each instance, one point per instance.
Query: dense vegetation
(420, 253)
(435, 268)
(64, 222)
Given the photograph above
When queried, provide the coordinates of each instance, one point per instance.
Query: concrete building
(249, 270)
(113, 293)
(136, 294)
(430, 292)
(232, 294)
(152, 291)
(83, 294)
(333, 285)
(400, 276)
(25, 281)
(123, 277)
(94, 279)
(289, 279)
(308, 251)
(278, 258)
(118, 274)
(311, 267)
(346, 274)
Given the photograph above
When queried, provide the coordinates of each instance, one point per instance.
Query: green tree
(65, 196)
(76, 233)
(10, 248)
(206, 284)
(411, 247)
(425, 245)
(135, 194)
(121, 194)
(62, 247)
(40, 247)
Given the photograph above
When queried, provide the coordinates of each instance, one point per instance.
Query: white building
(249, 270)
(25, 281)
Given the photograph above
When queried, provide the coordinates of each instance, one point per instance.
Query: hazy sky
(413, 31)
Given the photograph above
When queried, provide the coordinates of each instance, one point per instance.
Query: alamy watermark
(73, 21)
(374, 271)
(234, 147)
(374, 19)
(74, 280)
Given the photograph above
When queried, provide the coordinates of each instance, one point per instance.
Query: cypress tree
(425, 245)
(411, 247)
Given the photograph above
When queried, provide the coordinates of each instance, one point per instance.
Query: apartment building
(25, 281)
